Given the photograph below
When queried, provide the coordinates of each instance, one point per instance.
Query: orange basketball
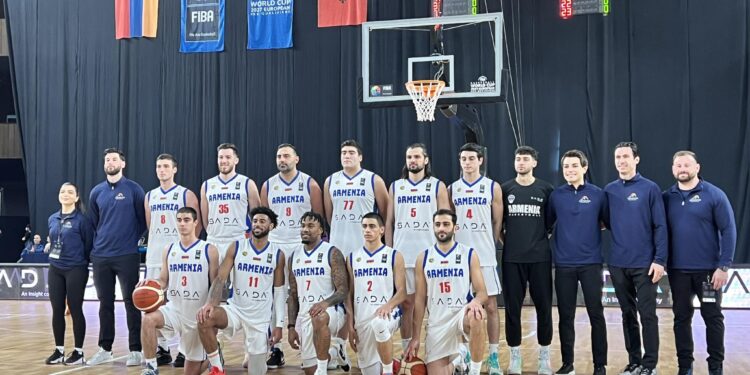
(148, 297)
(414, 367)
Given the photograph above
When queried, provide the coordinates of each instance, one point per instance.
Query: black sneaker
(631, 369)
(647, 371)
(163, 357)
(75, 358)
(566, 369)
(56, 357)
(179, 361)
(600, 370)
(276, 360)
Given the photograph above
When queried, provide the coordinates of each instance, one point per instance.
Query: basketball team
(393, 257)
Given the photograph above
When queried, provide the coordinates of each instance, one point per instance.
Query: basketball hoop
(425, 94)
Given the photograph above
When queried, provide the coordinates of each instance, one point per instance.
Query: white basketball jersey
(163, 206)
(448, 282)
(289, 200)
(253, 278)
(474, 211)
(188, 277)
(352, 198)
(373, 280)
(414, 205)
(312, 271)
(227, 208)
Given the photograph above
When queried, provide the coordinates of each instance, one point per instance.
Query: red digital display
(566, 9)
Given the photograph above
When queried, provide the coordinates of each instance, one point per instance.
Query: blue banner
(269, 24)
(202, 26)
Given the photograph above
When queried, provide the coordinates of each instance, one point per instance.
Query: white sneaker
(134, 359)
(100, 357)
(515, 367)
(333, 361)
(545, 368)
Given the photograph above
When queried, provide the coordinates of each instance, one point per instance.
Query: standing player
(289, 193)
(639, 253)
(349, 195)
(527, 259)
(445, 276)
(226, 199)
(188, 267)
(257, 267)
(478, 202)
(161, 205)
(413, 200)
(318, 286)
(376, 288)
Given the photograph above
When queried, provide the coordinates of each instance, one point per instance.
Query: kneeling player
(377, 286)
(445, 276)
(257, 268)
(187, 269)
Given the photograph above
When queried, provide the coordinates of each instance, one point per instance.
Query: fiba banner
(269, 24)
(136, 18)
(202, 26)
(341, 12)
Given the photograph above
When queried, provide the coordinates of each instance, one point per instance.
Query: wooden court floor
(26, 341)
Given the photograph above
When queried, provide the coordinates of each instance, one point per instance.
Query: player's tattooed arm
(340, 278)
(293, 300)
(218, 284)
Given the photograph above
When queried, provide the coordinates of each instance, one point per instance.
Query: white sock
(215, 359)
(493, 348)
(151, 362)
(60, 349)
(79, 350)
(475, 366)
(387, 369)
(322, 366)
(405, 344)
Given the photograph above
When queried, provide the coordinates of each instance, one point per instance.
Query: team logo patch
(337, 182)
(633, 197)
(481, 189)
(174, 253)
(359, 259)
(402, 187)
(213, 186)
(384, 259)
(320, 257)
(297, 260)
(301, 186)
(458, 190)
(269, 258)
(584, 199)
(695, 199)
(362, 181)
(431, 260)
(174, 197)
(244, 254)
(458, 258)
(237, 185)
(511, 198)
(276, 187)
(67, 224)
(197, 254)
(120, 196)
(429, 186)
(540, 200)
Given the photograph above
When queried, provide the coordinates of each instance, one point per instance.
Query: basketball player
(445, 276)
(349, 195)
(377, 285)
(257, 268)
(318, 286)
(289, 193)
(162, 204)
(478, 202)
(188, 266)
(413, 200)
(226, 199)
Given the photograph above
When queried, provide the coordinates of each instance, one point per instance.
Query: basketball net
(425, 94)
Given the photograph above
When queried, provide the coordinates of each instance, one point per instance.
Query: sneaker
(75, 358)
(276, 360)
(461, 363)
(685, 371)
(493, 365)
(56, 357)
(100, 357)
(600, 370)
(631, 369)
(134, 359)
(163, 357)
(344, 362)
(566, 369)
(333, 359)
(216, 371)
(179, 361)
(545, 368)
(472, 372)
(150, 371)
(647, 371)
(515, 367)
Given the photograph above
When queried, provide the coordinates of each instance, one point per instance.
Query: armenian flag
(136, 18)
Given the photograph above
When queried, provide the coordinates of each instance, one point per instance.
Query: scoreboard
(570, 8)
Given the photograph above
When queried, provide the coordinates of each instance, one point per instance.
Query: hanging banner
(341, 12)
(136, 18)
(269, 24)
(202, 26)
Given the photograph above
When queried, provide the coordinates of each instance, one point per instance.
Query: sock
(151, 362)
(405, 343)
(387, 369)
(322, 366)
(79, 350)
(60, 349)
(215, 360)
(493, 348)
(475, 367)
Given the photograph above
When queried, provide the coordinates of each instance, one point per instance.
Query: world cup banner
(202, 26)
(269, 24)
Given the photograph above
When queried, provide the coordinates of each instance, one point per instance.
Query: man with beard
(257, 267)
(318, 284)
(289, 193)
(117, 212)
(413, 199)
(448, 276)
(703, 237)
(226, 200)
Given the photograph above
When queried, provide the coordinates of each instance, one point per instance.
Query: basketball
(414, 367)
(148, 297)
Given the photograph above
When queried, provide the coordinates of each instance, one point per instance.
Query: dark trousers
(685, 286)
(126, 269)
(68, 285)
(637, 296)
(515, 277)
(566, 287)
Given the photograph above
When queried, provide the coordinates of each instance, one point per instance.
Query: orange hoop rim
(429, 88)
